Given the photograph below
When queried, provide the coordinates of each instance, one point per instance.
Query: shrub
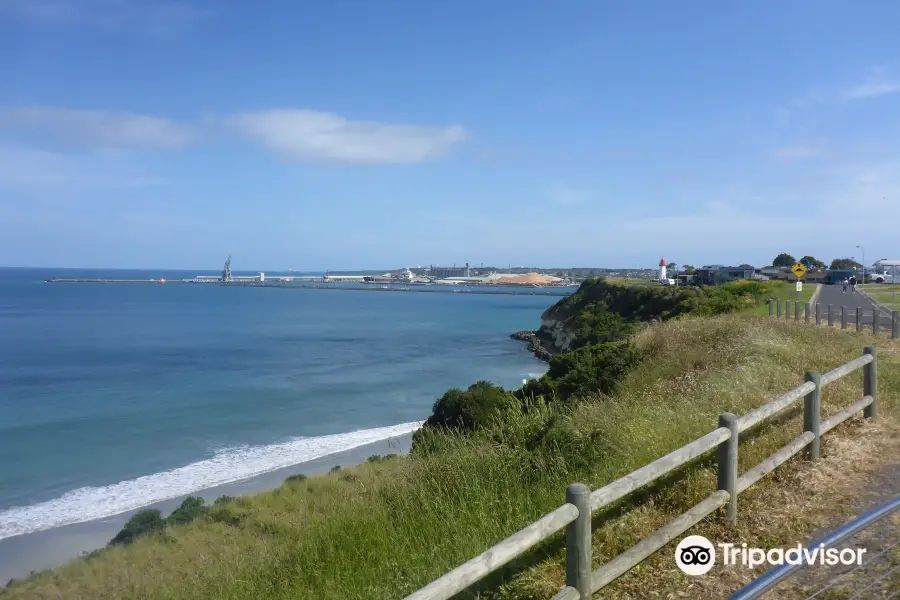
(543, 389)
(596, 368)
(376, 458)
(226, 514)
(470, 409)
(335, 469)
(143, 522)
(595, 325)
(297, 478)
(191, 509)
(221, 500)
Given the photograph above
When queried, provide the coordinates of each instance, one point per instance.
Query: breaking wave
(226, 466)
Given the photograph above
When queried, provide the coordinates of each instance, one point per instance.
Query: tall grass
(382, 530)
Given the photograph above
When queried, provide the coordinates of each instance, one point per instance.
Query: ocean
(116, 396)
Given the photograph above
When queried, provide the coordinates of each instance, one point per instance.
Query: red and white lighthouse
(663, 278)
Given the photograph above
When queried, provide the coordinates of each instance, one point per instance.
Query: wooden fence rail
(575, 514)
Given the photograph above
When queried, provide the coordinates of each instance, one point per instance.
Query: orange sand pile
(530, 278)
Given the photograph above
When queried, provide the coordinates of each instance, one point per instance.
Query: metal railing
(575, 514)
(879, 318)
(773, 577)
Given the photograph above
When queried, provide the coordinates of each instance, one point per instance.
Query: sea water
(114, 396)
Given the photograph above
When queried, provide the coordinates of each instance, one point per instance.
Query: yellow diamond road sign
(799, 270)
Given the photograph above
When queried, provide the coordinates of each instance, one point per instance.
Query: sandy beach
(19, 555)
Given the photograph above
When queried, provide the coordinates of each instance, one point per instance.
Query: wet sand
(21, 554)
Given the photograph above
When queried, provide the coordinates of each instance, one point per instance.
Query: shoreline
(26, 554)
(55, 547)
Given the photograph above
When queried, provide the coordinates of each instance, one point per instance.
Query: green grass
(631, 281)
(382, 530)
(782, 291)
(883, 294)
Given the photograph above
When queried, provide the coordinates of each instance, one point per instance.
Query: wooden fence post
(787, 310)
(874, 319)
(843, 317)
(771, 307)
(806, 311)
(870, 382)
(812, 412)
(818, 315)
(895, 324)
(858, 319)
(578, 541)
(796, 311)
(728, 464)
(778, 310)
(830, 316)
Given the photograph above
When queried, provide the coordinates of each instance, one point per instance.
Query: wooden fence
(881, 319)
(575, 514)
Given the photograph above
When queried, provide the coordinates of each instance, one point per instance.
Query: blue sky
(359, 134)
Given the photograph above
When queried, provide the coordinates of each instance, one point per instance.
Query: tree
(746, 266)
(783, 260)
(689, 269)
(810, 262)
(845, 263)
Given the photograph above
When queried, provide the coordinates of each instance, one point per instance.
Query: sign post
(894, 265)
(799, 270)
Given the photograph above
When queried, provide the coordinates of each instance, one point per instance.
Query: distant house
(719, 274)
(773, 272)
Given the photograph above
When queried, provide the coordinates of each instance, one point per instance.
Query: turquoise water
(113, 396)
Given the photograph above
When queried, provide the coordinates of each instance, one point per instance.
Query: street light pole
(863, 248)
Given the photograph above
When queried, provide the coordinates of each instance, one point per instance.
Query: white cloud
(33, 170)
(308, 135)
(98, 128)
(878, 83)
(158, 16)
(872, 89)
(802, 151)
(566, 196)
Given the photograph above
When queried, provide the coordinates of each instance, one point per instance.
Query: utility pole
(863, 248)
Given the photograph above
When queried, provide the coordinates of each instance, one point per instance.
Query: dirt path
(879, 575)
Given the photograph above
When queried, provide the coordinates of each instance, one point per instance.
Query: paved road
(834, 295)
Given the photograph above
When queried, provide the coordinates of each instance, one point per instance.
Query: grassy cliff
(384, 529)
(601, 311)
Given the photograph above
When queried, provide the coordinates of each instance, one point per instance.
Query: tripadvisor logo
(696, 555)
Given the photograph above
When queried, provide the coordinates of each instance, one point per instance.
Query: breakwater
(508, 290)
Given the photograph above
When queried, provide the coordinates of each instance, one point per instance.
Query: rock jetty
(533, 344)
